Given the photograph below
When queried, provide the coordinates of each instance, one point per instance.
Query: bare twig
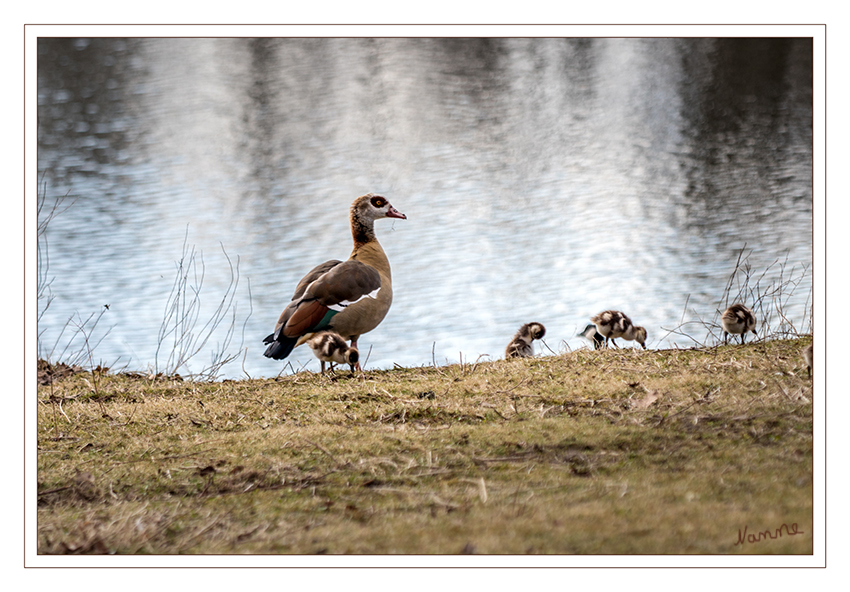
(182, 312)
(767, 294)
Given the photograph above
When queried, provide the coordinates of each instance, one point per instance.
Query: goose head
(370, 207)
(364, 211)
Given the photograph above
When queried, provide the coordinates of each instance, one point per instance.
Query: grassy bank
(620, 451)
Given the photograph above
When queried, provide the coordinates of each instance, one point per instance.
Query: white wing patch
(346, 303)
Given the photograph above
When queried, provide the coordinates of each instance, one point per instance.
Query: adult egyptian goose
(612, 324)
(590, 333)
(738, 319)
(520, 346)
(807, 356)
(329, 347)
(349, 297)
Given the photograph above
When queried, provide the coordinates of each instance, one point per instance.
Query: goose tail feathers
(279, 348)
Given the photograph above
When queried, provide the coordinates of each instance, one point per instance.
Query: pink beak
(394, 213)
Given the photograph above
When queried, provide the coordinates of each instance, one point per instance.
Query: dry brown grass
(620, 451)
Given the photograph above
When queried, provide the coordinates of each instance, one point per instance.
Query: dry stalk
(482, 488)
(182, 313)
(767, 298)
(45, 215)
(322, 449)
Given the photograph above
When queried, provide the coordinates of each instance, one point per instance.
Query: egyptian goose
(520, 346)
(612, 324)
(329, 347)
(593, 335)
(807, 355)
(738, 319)
(349, 297)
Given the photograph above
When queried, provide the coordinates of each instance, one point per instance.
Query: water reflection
(543, 179)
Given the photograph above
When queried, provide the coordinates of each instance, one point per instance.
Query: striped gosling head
(533, 330)
(639, 336)
(351, 356)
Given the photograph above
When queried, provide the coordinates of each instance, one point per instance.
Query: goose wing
(327, 290)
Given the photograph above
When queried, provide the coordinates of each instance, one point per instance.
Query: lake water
(543, 180)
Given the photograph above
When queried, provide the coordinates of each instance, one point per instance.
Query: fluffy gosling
(613, 324)
(520, 346)
(331, 347)
(590, 333)
(738, 320)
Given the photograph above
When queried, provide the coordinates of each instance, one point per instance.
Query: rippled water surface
(543, 179)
